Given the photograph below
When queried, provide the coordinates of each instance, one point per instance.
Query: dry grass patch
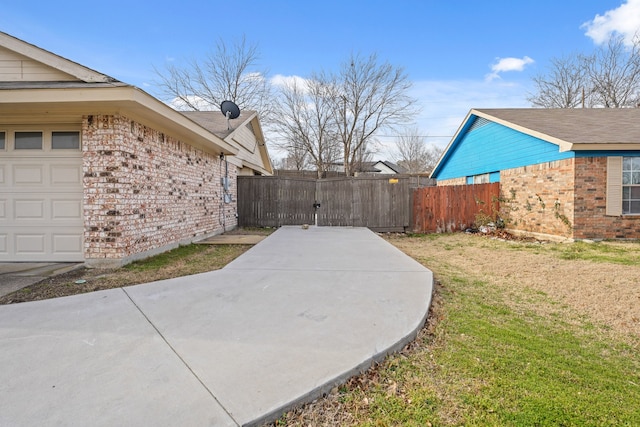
(182, 261)
(598, 280)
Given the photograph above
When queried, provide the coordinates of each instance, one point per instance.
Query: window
(28, 141)
(484, 178)
(65, 140)
(631, 185)
(481, 179)
(2, 138)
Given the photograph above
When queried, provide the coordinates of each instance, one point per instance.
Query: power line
(418, 136)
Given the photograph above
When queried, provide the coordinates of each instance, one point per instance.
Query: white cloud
(624, 20)
(201, 104)
(503, 65)
(279, 81)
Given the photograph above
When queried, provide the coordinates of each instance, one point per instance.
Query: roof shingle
(575, 125)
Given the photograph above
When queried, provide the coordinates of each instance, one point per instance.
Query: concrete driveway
(295, 315)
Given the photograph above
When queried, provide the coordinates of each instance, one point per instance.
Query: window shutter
(614, 186)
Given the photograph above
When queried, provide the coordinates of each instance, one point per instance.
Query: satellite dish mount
(230, 110)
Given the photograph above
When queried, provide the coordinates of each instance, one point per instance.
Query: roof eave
(264, 154)
(126, 100)
(463, 126)
(618, 146)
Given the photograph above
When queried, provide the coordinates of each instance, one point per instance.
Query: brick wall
(590, 205)
(565, 198)
(452, 181)
(539, 198)
(145, 192)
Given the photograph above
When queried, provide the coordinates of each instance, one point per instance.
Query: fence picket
(380, 203)
(453, 208)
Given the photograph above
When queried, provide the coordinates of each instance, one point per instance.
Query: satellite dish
(230, 110)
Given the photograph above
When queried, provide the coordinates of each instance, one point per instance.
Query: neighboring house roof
(37, 83)
(381, 166)
(570, 130)
(366, 167)
(573, 128)
(393, 166)
(244, 132)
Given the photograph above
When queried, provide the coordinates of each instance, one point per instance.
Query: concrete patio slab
(298, 313)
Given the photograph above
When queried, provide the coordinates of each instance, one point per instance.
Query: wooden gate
(452, 208)
(271, 201)
(379, 203)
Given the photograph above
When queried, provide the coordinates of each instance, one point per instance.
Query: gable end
(18, 68)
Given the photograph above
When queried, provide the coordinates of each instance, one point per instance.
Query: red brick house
(98, 171)
(569, 173)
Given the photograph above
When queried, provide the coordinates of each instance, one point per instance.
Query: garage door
(40, 204)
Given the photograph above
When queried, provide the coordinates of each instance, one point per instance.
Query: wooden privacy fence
(452, 208)
(271, 201)
(380, 203)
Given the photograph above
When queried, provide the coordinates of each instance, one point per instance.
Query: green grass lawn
(487, 364)
(496, 357)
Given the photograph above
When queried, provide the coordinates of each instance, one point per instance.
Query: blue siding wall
(493, 147)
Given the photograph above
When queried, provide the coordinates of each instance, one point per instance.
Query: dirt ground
(604, 292)
(84, 280)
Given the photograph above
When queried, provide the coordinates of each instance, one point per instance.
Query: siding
(251, 153)
(492, 147)
(15, 67)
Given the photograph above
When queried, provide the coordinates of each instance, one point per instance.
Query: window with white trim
(630, 185)
(28, 140)
(2, 139)
(65, 140)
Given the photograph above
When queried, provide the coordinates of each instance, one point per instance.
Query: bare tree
(614, 72)
(291, 162)
(609, 77)
(305, 123)
(413, 153)
(230, 72)
(297, 158)
(565, 86)
(368, 96)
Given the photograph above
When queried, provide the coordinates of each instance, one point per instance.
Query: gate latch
(316, 205)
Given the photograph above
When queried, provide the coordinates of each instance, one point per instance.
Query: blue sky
(460, 54)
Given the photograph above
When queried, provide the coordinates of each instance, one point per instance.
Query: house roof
(394, 166)
(244, 132)
(571, 129)
(374, 166)
(38, 85)
(62, 91)
(216, 123)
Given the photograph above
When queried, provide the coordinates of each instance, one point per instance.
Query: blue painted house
(573, 173)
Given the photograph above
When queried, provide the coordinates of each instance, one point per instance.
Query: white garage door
(40, 200)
